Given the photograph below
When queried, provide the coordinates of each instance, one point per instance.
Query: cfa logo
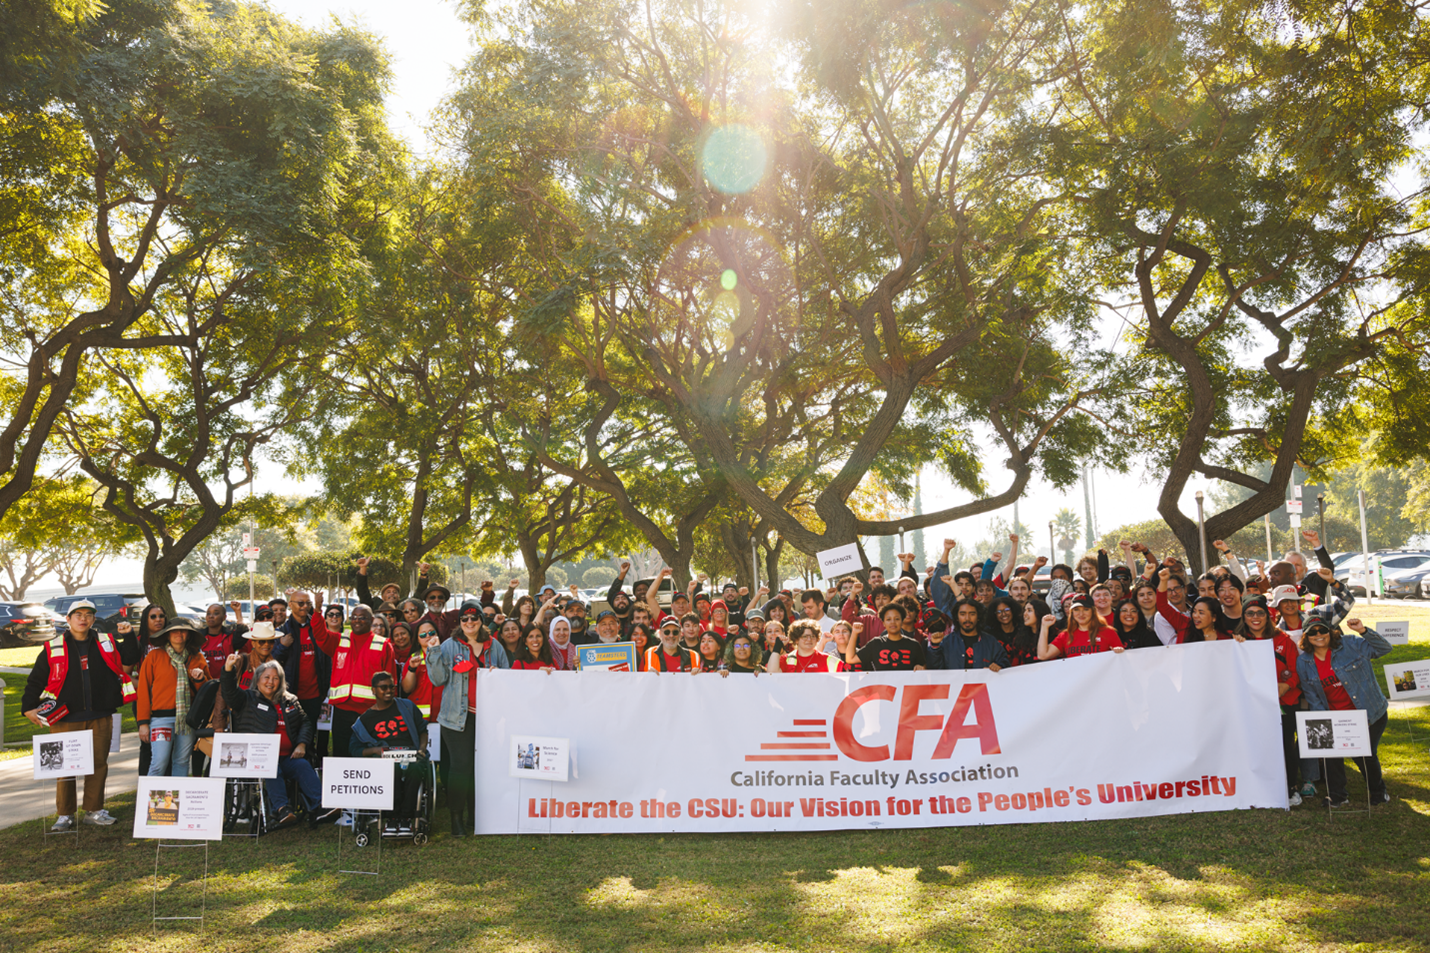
(953, 729)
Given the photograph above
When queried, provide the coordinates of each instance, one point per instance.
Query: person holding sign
(167, 680)
(77, 684)
(266, 708)
(394, 724)
(1336, 675)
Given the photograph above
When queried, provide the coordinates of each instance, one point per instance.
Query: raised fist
(949, 545)
(123, 628)
(1013, 538)
(625, 566)
(513, 584)
(362, 564)
(1040, 561)
(743, 591)
(423, 568)
(1221, 546)
(1124, 544)
(1312, 537)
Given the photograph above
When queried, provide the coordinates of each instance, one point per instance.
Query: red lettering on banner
(910, 721)
(974, 696)
(982, 728)
(844, 720)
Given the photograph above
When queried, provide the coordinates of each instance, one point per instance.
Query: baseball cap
(728, 586)
(1281, 593)
(1079, 600)
(670, 622)
(605, 614)
(81, 604)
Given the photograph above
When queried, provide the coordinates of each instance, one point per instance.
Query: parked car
(1394, 565)
(25, 623)
(110, 608)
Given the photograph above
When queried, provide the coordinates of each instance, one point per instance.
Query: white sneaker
(1294, 800)
(100, 818)
(65, 822)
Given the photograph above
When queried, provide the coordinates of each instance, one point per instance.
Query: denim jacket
(440, 662)
(1352, 665)
(950, 653)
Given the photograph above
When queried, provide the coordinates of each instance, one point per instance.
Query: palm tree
(1067, 524)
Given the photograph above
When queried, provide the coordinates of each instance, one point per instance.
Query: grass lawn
(1250, 880)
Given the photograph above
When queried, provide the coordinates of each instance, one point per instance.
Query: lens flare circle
(733, 158)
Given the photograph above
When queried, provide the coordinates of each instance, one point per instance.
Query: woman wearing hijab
(165, 686)
(563, 650)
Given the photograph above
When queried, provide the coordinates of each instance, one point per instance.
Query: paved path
(22, 798)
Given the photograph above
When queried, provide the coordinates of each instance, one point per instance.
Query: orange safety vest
(60, 665)
(655, 659)
(352, 680)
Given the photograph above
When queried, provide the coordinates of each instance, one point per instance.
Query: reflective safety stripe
(425, 709)
(362, 691)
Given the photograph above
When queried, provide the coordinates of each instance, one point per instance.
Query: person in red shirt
(357, 656)
(1087, 633)
(415, 683)
(806, 656)
(670, 655)
(1256, 624)
(533, 653)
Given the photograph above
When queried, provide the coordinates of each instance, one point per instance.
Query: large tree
(229, 202)
(1244, 170)
(810, 270)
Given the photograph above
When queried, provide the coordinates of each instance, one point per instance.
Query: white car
(1393, 565)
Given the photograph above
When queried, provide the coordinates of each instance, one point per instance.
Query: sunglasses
(333, 615)
(471, 618)
(303, 604)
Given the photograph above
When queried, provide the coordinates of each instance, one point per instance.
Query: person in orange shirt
(167, 680)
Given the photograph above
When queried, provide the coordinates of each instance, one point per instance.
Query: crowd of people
(392, 664)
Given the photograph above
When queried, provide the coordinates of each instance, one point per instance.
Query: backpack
(201, 709)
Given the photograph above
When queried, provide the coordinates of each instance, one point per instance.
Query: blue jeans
(170, 748)
(294, 769)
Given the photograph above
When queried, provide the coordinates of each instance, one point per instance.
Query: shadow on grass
(1263, 880)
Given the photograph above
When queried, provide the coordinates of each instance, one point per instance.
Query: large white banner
(1134, 734)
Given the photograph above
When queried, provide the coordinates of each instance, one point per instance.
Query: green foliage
(598, 577)
(237, 588)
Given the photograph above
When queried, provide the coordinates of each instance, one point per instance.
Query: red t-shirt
(814, 662)
(525, 666)
(1076, 642)
(1285, 650)
(285, 744)
(216, 649)
(307, 687)
(1331, 682)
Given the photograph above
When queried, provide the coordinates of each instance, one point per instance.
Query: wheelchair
(369, 825)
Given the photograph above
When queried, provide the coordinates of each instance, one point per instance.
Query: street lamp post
(1202, 530)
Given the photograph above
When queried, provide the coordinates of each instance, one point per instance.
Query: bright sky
(428, 43)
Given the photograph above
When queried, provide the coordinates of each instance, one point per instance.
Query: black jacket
(251, 713)
(106, 694)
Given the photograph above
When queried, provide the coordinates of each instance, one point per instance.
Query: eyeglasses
(1003, 609)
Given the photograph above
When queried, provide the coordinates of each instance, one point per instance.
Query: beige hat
(1282, 593)
(262, 632)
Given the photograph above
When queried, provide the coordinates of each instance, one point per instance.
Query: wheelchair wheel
(361, 839)
(419, 839)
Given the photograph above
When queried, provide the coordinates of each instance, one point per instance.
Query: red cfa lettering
(954, 729)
